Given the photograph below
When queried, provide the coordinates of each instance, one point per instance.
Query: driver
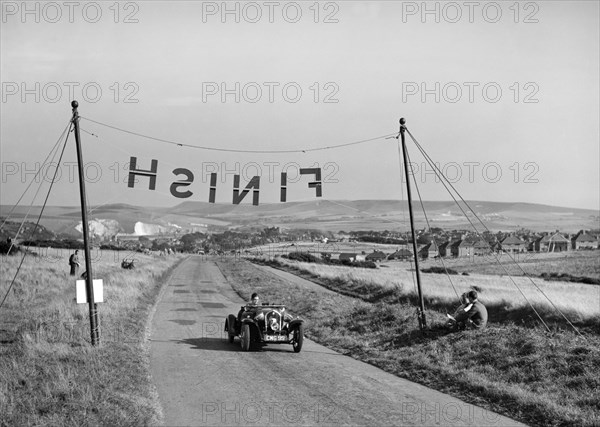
(254, 302)
(254, 299)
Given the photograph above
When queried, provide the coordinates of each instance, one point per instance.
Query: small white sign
(82, 294)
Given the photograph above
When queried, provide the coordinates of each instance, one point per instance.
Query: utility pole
(94, 324)
(421, 309)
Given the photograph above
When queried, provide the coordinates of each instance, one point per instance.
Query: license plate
(275, 338)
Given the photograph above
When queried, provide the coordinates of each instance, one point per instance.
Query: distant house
(554, 243)
(376, 256)
(513, 244)
(540, 244)
(460, 248)
(430, 250)
(584, 241)
(347, 257)
(454, 245)
(533, 243)
(433, 250)
(124, 237)
(401, 254)
(443, 248)
(351, 257)
(481, 247)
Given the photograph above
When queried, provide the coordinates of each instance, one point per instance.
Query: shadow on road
(221, 344)
(217, 344)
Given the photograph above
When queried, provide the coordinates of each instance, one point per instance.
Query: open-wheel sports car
(259, 325)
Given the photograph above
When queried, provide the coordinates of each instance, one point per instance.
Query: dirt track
(203, 380)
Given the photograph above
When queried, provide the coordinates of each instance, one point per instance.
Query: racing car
(259, 325)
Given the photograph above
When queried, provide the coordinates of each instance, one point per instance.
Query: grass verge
(49, 372)
(502, 296)
(528, 374)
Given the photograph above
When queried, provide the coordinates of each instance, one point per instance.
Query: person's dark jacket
(477, 315)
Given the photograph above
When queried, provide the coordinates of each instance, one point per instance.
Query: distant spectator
(476, 316)
(465, 305)
(74, 263)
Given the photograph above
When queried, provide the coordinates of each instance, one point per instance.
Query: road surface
(203, 380)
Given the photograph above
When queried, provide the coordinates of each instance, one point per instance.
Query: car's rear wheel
(245, 337)
(298, 338)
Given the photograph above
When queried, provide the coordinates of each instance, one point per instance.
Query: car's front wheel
(298, 338)
(245, 337)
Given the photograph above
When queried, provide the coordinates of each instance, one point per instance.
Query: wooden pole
(421, 310)
(93, 309)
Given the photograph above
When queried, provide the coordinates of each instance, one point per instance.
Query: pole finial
(74, 104)
(402, 120)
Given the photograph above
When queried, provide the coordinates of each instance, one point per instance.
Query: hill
(10, 229)
(326, 215)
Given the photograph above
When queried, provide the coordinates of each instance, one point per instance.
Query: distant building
(376, 256)
(513, 244)
(582, 240)
(400, 254)
(481, 247)
(430, 250)
(443, 248)
(460, 248)
(554, 243)
(351, 257)
(123, 237)
(433, 250)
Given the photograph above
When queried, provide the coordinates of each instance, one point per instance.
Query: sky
(503, 96)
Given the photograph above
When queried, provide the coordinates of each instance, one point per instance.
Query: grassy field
(576, 263)
(49, 372)
(505, 296)
(526, 373)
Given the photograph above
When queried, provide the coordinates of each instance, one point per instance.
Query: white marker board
(82, 294)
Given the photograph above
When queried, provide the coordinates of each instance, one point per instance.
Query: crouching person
(474, 314)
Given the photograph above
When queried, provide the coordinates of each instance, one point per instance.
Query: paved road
(203, 380)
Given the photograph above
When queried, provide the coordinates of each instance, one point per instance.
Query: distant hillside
(9, 229)
(327, 215)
